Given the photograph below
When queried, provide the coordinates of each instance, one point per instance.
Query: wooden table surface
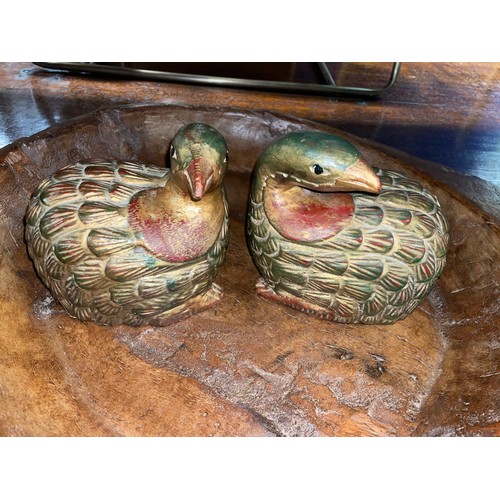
(447, 113)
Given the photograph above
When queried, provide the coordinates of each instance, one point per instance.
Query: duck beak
(359, 177)
(199, 174)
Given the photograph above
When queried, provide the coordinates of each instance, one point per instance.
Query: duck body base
(193, 306)
(265, 291)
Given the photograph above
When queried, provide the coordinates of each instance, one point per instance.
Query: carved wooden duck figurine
(335, 238)
(136, 244)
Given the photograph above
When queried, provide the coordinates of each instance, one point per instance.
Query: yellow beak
(359, 177)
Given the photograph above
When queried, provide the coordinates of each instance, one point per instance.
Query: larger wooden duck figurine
(135, 244)
(335, 238)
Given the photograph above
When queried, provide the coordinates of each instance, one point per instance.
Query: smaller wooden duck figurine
(335, 238)
(136, 244)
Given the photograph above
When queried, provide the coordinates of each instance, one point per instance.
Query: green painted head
(319, 161)
(198, 158)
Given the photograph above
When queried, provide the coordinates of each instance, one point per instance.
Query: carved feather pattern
(133, 177)
(54, 267)
(106, 241)
(33, 213)
(69, 249)
(346, 306)
(365, 267)
(85, 252)
(89, 274)
(351, 238)
(58, 193)
(102, 214)
(77, 294)
(58, 286)
(59, 219)
(403, 295)
(93, 190)
(102, 171)
(40, 245)
(376, 270)
(396, 275)
(359, 290)
(375, 303)
(84, 313)
(425, 271)
(336, 263)
(120, 194)
(406, 184)
(71, 172)
(124, 293)
(378, 241)
(400, 217)
(410, 249)
(153, 287)
(103, 303)
(322, 282)
(130, 266)
(217, 254)
(369, 215)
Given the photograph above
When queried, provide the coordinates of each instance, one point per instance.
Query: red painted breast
(309, 216)
(169, 237)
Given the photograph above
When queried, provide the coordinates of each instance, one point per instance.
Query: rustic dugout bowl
(247, 367)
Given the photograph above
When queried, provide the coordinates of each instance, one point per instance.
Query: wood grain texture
(248, 367)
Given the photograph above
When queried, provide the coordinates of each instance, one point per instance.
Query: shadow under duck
(118, 242)
(335, 238)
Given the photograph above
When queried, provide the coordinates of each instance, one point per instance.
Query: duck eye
(318, 169)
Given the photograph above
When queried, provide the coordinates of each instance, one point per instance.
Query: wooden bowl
(248, 367)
